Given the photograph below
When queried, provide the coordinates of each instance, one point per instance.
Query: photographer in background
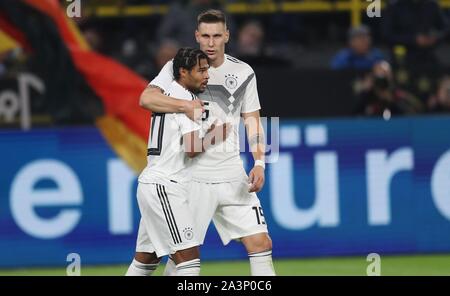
(360, 54)
(379, 96)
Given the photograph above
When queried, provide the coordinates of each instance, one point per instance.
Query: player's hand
(212, 126)
(194, 109)
(226, 129)
(218, 133)
(256, 179)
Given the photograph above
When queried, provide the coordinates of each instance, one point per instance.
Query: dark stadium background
(353, 175)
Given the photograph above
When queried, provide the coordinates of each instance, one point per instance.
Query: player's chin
(211, 55)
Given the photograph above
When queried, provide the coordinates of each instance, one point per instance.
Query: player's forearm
(255, 135)
(256, 141)
(193, 144)
(214, 136)
(208, 141)
(200, 145)
(258, 152)
(154, 100)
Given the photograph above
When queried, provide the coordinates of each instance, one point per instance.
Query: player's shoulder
(238, 63)
(169, 63)
(168, 66)
(179, 92)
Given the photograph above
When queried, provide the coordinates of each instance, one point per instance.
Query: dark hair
(211, 16)
(187, 58)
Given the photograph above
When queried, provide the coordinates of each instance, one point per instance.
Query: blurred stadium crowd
(400, 60)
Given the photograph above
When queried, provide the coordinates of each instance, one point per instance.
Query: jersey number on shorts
(259, 215)
(156, 134)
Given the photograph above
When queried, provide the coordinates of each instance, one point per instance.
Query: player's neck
(218, 62)
(182, 84)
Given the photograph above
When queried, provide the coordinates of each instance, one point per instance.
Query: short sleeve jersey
(231, 90)
(166, 157)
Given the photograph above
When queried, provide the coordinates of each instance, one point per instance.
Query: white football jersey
(166, 157)
(231, 91)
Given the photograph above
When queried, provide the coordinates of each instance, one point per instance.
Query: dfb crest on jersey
(231, 81)
(188, 233)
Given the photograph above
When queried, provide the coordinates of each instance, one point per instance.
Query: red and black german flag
(77, 79)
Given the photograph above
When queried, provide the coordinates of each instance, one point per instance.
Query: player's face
(212, 39)
(198, 77)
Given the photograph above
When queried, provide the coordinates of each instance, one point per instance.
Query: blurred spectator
(251, 47)
(379, 96)
(166, 51)
(359, 55)
(419, 25)
(133, 54)
(250, 39)
(440, 102)
(180, 22)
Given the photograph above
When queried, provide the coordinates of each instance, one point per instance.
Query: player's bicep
(252, 122)
(154, 88)
(251, 98)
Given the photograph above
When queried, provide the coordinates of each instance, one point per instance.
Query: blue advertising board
(334, 187)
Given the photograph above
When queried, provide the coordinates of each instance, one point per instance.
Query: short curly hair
(187, 58)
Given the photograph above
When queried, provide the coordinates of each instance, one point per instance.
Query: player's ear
(183, 72)
(227, 35)
(197, 36)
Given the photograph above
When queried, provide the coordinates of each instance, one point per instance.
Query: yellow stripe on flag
(124, 142)
(6, 42)
(76, 32)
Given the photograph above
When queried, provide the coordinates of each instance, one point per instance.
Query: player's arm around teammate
(153, 99)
